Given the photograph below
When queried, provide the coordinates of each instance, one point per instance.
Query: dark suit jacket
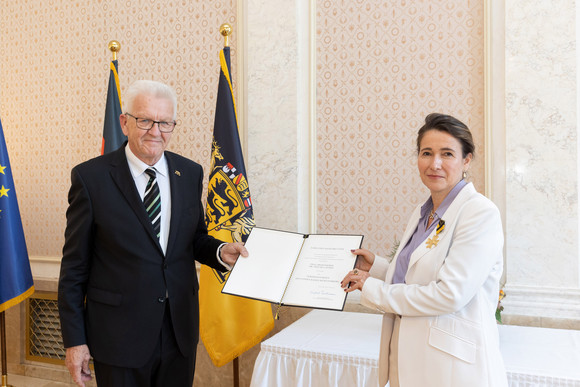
(112, 257)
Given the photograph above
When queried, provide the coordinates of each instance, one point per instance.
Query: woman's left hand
(354, 280)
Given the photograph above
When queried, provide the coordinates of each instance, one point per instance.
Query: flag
(113, 136)
(229, 325)
(15, 275)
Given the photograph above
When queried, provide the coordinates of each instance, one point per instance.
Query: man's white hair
(147, 87)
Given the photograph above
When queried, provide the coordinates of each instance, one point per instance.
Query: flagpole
(3, 344)
(226, 31)
(114, 47)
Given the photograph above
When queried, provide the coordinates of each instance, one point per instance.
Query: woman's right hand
(364, 259)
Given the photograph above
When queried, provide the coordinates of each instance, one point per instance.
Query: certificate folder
(294, 269)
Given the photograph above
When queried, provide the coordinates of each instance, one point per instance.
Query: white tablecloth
(327, 348)
(540, 356)
(323, 348)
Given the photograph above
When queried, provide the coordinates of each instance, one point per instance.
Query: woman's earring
(465, 174)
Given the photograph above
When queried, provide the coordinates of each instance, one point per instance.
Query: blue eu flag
(15, 275)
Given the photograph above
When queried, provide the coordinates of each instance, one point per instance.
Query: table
(323, 348)
(328, 348)
(540, 356)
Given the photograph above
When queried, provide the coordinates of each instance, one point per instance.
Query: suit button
(161, 299)
(165, 266)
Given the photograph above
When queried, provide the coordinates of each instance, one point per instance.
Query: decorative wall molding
(522, 300)
(46, 268)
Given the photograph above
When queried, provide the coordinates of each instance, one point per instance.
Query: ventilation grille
(43, 338)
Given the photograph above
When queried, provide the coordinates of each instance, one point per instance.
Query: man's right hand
(77, 362)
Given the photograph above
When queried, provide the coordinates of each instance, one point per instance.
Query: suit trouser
(394, 354)
(167, 366)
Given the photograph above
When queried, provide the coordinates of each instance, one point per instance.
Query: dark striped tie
(152, 201)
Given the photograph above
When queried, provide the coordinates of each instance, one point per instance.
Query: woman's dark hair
(451, 125)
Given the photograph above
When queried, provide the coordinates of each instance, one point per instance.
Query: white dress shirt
(138, 168)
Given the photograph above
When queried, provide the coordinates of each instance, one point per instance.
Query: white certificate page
(263, 275)
(323, 263)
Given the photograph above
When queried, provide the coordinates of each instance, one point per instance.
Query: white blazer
(448, 335)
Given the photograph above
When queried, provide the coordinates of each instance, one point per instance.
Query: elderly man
(128, 287)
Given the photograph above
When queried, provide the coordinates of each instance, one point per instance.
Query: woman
(440, 292)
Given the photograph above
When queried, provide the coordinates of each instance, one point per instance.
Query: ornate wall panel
(54, 70)
(542, 147)
(382, 66)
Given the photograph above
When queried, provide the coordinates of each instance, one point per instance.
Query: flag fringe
(16, 300)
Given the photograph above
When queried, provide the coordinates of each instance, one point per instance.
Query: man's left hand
(231, 251)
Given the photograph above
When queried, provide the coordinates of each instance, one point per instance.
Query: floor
(25, 381)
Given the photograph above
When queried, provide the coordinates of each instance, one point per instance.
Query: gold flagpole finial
(226, 31)
(115, 47)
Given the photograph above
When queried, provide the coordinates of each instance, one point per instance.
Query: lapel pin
(178, 173)
(432, 242)
(440, 227)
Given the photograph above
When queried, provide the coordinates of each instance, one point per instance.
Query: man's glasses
(147, 124)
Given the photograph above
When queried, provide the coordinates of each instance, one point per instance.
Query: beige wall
(382, 66)
(54, 71)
